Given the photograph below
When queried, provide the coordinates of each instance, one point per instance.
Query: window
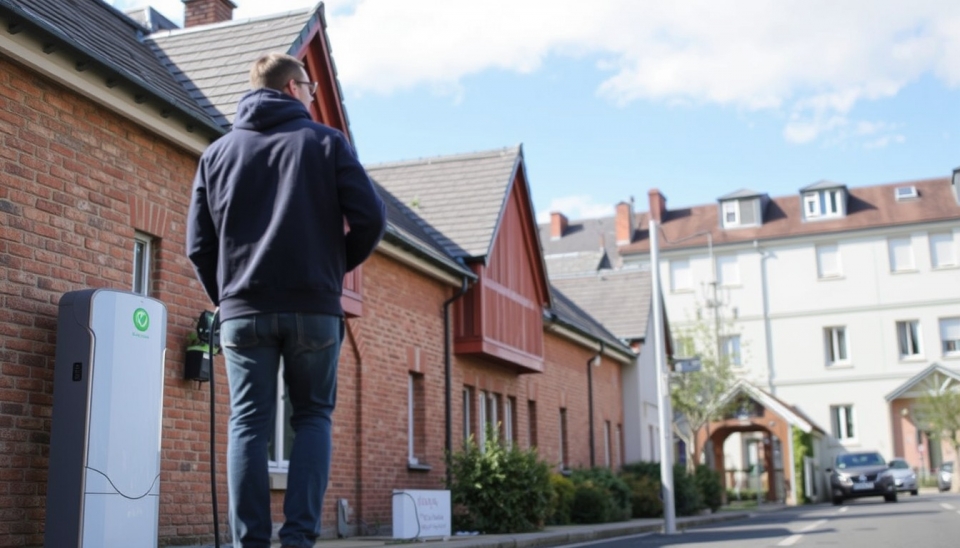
(835, 340)
(680, 277)
(905, 193)
(653, 442)
(843, 423)
(482, 430)
(908, 336)
(823, 203)
(728, 272)
(606, 445)
(564, 455)
(416, 420)
(618, 447)
(730, 349)
(740, 212)
(828, 261)
(683, 347)
(509, 430)
(467, 406)
(950, 336)
(281, 443)
(532, 422)
(142, 263)
(901, 254)
(492, 417)
(943, 252)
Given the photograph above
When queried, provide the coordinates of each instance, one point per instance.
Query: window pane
(748, 212)
(950, 335)
(828, 261)
(811, 203)
(728, 272)
(841, 335)
(680, 278)
(901, 254)
(942, 250)
(730, 213)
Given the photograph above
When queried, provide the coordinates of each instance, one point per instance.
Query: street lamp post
(663, 390)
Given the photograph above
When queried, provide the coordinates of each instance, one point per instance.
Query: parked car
(861, 474)
(903, 476)
(945, 476)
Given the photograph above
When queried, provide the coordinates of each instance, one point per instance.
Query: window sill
(419, 467)
(904, 271)
(278, 481)
(912, 359)
(951, 356)
(840, 365)
(683, 291)
(831, 278)
(945, 267)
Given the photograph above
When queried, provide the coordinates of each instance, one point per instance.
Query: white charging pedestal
(103, 488)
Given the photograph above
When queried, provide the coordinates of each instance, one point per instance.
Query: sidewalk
(557, 535)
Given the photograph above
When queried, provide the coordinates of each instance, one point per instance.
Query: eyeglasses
(311, 85)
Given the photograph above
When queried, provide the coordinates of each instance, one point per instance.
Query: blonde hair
(274, 70)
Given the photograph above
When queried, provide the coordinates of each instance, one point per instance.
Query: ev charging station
(103, 489)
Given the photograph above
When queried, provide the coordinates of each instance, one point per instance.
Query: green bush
(499, 490)
(561, 500)
(686, 497)
(709, 485)
(591, 503)
(643, 468)
(618, 492)
(644, 495)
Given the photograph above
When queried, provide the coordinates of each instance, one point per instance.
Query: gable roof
(822, 185)
(458, 199)
(212, 62)
(788, 412)
(907, 389)
(619, 299)
(109, 38)
(566, 312)
(742, 193)
(867, 208)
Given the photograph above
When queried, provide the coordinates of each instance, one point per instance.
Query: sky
(611, 98)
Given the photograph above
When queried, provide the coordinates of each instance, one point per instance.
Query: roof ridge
(224, 24)
(449, 158)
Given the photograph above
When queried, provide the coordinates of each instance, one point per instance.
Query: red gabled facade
(501, 316)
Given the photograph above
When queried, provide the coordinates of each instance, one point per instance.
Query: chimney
(658, 205)
(623, 224)
(206, 12)
(558, 225)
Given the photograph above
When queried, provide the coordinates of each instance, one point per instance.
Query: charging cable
(213, 421)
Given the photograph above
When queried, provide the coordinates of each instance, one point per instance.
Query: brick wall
(77, 182)
(205, 12)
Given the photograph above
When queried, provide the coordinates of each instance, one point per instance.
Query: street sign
(686, 365)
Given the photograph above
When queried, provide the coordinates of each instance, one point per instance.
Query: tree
(937, 411)
(697, 395)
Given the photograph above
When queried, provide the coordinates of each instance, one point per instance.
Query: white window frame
(731, 206)
(482, 427)
(823, 252)
(680, 272)
(836, 343)
(730, 346)
(811, 199)
(606, 445)
(943, 242)
(817, 204)
(842, 420)
(909, 337)
(411, 420)
(730, 261)
(950, 336)
(837, 196)
(142, 263)
(893, 245)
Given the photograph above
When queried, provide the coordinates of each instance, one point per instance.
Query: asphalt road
(925, 521)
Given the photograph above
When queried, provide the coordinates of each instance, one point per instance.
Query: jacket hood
(262, 109)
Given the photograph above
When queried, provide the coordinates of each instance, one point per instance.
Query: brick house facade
(91, 161)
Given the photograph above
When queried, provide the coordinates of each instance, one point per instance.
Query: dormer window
(823, 203)
(737, 213)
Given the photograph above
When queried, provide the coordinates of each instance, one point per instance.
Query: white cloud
(810, 60)
(581, 206)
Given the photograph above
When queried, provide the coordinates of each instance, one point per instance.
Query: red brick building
(102, 124)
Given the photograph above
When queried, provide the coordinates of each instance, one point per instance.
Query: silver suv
(863, 474)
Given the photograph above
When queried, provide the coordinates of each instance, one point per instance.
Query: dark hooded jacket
(266, 229)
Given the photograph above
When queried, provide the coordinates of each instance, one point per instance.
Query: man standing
(266, 236)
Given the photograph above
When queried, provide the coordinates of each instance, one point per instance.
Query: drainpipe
(591, 363)
(447, 377)
(767, 330)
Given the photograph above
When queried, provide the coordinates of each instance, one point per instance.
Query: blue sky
(610, 98)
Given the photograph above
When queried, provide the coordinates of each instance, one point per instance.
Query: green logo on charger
(141, 320)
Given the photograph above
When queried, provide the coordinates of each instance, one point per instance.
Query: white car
(903, 476)
(944, 476)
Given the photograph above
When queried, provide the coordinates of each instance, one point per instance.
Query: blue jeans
(309, 345)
